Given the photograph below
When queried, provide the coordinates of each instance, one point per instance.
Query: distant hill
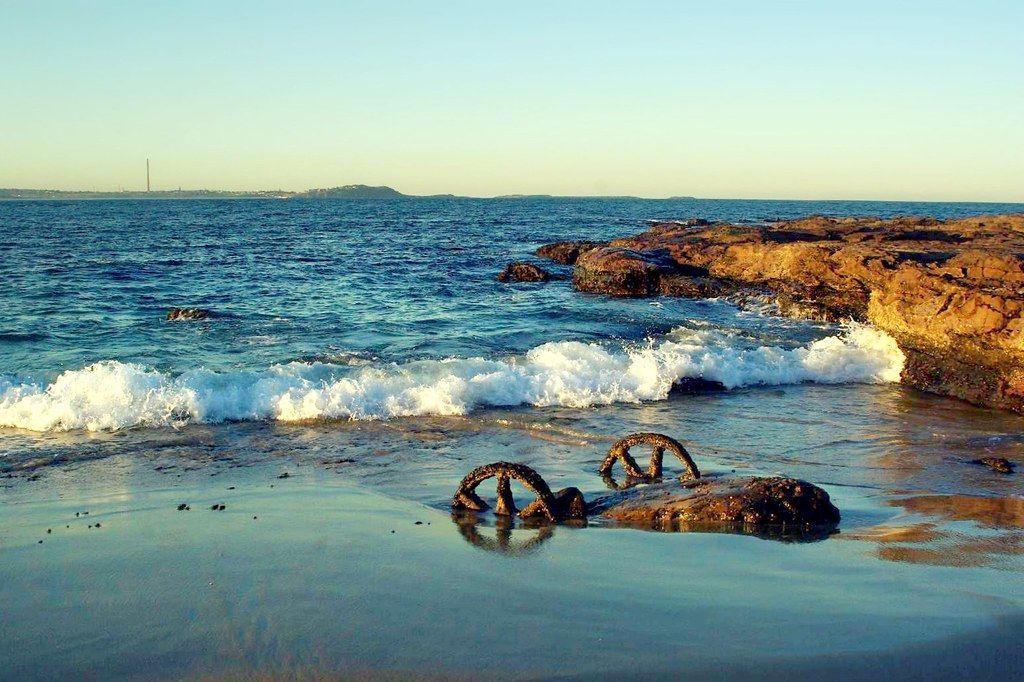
(363, 192)
(360, 192)
(355, 192)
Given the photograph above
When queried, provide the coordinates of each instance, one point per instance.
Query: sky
(865, 99)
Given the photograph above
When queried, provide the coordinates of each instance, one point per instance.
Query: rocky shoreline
(950, 292)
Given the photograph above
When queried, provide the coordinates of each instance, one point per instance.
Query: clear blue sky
(844, 99)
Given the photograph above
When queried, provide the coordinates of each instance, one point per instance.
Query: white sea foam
(115, 395)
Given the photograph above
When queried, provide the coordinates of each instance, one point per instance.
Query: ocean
(370, 310)
(366, 349)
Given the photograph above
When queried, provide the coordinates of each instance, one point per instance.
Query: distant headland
(344, 192)
(353, 192)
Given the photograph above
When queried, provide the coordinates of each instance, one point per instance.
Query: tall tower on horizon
(147, 174)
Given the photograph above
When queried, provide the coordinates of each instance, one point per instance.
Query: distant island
(353, 192)
(345, 192)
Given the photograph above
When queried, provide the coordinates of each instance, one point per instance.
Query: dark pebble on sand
(40, 542)
(998, 464)
(392, 531)
(285, 475)
(231, 487)
(182, 507)
(97, 525)
(418, 523)
(218, 507)
(254, 518)
(49, 530)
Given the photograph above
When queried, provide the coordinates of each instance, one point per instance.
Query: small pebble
(285, 475)
(418, 523)
(254, 518)
(182, 507)
(49, 530)
(97, 525)
(231, 487)
(392, 531)
(40, 542)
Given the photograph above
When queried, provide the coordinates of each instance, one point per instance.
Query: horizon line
(256, 194)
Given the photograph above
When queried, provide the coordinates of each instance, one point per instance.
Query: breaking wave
(113, 395)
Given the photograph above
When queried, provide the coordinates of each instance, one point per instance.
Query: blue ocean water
(366, 350)
(346, 308)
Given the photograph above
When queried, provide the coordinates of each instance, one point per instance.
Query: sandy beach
(322, 566)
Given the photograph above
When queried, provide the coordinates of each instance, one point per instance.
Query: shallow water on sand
(929, 552)
(366, 351)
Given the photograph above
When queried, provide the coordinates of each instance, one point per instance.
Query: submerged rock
(950, 292)
(693, 385)
(523, 272)
(766, 507)
(999, 464)
(188, 314)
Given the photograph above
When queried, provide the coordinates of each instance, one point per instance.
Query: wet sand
(353, 566)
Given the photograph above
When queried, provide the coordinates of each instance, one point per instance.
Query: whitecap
(113, 395)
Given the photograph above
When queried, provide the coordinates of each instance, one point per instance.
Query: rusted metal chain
(567, 503)
(466, 497)
(659, 443)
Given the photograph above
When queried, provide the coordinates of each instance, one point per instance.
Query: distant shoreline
(361, 192)
(385, 193)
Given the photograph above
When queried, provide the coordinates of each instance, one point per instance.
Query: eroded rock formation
(768, 507)
(566, 253)
(950, 292)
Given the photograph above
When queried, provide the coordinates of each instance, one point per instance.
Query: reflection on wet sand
(501, 543)
(998, 534)
(915, 532)
(991, 512)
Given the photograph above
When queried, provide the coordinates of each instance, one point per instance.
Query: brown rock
(769, 507)
(619, 272)
(999, 464)
(566, 253)
(523, 272)
(950, 292)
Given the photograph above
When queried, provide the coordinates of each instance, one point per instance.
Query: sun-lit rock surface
(950, 292)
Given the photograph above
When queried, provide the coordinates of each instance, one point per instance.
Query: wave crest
(112, 395)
